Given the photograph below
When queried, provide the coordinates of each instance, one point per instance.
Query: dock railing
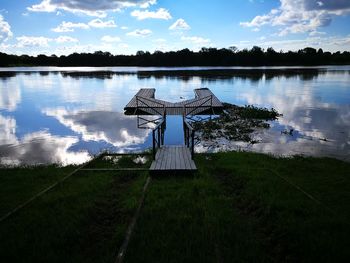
(158, 136)
(158, 125)
(202, 101)
(189, 134)
(149, 106)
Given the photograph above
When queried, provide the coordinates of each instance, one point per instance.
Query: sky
(63, 27)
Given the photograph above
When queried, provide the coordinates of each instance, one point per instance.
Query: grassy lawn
(20, 184)
(242, 207)
(82, 220)
(246, 207)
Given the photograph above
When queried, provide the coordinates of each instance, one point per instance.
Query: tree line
(256, 56)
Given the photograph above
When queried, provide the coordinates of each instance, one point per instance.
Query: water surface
(66, 115)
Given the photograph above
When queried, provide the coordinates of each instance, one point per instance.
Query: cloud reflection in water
(36, 148)
(112, 127)
(318, 128)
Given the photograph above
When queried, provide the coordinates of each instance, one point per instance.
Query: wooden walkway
(173, 158)
(145, 103)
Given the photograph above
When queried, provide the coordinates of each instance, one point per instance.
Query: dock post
(158, 141)
(192, 148)
(153, 145)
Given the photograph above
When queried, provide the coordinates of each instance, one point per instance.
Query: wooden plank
(166, 159)
(158, 160)
(170, 159)
(181, 158)
(173, 158)
(171, 165)
(178, 161)
(163, 159)
(186, 161)
(177, 107)
(188, 158)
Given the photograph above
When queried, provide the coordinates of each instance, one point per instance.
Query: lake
(67, 115)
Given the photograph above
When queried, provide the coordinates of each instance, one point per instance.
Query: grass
(81, 220)
(19, 184)
(242, 207)
(137, 161)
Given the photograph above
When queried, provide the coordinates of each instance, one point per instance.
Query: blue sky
(125, 26)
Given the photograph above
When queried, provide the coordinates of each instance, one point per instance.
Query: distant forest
(204, 57)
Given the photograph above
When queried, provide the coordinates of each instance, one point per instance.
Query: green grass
(122, 161)
(239, 207)
(82, 220)
(19, 184)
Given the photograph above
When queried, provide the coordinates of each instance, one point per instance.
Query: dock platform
(173, 158)
(145, 103)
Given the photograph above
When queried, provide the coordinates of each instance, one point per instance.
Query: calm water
(64, 115)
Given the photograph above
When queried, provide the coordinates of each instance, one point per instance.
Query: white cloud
(98, 23)
(161, 13)
(65, 39)
(148, 3)
(196, 40)
(30, 41)
(300, 16)
(124, 27)
(88, 7)
(110, 39)
(5, 29)
(180, 24)
(95, 23)
(69, 27)
(26, 41)
(140, 33)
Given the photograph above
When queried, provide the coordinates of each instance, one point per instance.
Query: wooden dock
(145, 103)
(173, 158)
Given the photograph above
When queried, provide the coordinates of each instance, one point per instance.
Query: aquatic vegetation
(236, 123)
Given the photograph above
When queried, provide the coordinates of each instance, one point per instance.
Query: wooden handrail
(189, 133)
(188, 125)
(147, 106)
(207, 98)
(158, 135)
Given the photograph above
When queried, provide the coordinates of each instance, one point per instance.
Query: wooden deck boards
(174, 158)
(201, 104)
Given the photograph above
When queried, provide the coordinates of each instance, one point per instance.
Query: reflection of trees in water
(89, 74)
(7, 74)
(11, 74)
(252, 74)
(228, 74)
